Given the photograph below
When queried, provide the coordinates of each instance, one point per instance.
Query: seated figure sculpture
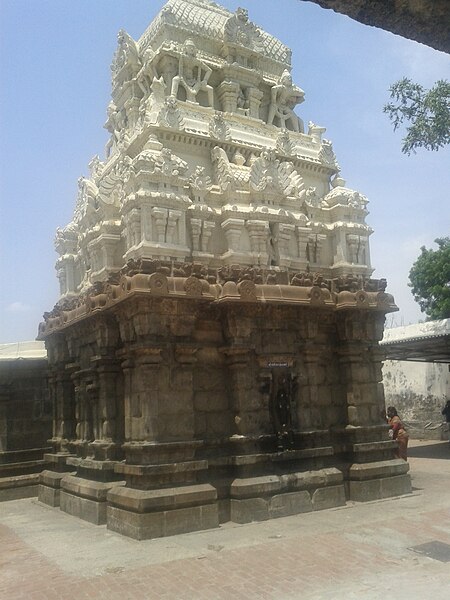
(193, 75)
(284, 97)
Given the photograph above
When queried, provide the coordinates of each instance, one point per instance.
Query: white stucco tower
(208, 162)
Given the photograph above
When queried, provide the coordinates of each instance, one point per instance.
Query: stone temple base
(376, 480)
(84, 498)
(21, 486)
(268, 497)
(234, 401)
(145, 514)
(19, 473)
(50, 479)
(84, 495)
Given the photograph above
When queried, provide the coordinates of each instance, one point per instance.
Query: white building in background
(417, 380)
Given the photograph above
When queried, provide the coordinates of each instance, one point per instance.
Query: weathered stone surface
(21, 486)
(328, 497)
(384, 487)
(48, 495)
(249, 509)
(83, 508)
(256, 486)
(50, 485)
(420, 20)
(25, 417)
(93, 490)
(293, 503)
(144, 501)
(374, 470)
(143, 526)
(216, 339)
(52, 479)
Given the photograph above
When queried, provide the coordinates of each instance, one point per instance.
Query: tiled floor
(361, 551)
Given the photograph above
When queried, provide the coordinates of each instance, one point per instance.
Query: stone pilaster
(373, 471)
(62, 395)
(109, 418)
(242, 389)
(254, 96)
(162, 494)
(85, 408)
(227, 93)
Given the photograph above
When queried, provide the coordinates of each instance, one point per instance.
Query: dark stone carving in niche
(281, 386)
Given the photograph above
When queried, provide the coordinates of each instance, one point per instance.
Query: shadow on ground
(439, 450)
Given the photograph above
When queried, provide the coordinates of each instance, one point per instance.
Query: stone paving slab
(360, 551)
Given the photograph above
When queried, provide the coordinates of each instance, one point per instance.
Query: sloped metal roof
(422, 342)
(23, 351)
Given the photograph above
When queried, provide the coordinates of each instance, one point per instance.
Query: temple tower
(214, 351)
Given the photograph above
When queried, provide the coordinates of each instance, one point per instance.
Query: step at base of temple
(19, 486)
(50, 487)
(85, 499)
(269, 497)
(146, 514)
(377, 480)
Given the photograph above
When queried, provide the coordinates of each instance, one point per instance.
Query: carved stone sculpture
(284, 97)
(282, 393)
(193, 75)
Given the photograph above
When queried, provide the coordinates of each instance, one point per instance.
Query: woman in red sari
(398, 432)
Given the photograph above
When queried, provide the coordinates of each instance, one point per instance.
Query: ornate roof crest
(239, 30)
(218, 127)
(164, 163)
(127, 53)
(327, 155)
(270, 175)
(170, 115)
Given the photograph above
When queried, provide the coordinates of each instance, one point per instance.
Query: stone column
(258, 232)
(141, 406)
(62, 391)
(83, 412)
(108, 428)
(302, 242)
(285, 232)
(308, 414)
(254, 96)
(160, 218)
(62, 394)
(162, 494)
(196, 229)
(373, 471)
(233, 231)
(208, 228)
(98, 397)
(245, 401)
(172, 225)
(228, 93)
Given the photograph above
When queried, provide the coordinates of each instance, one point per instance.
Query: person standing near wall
(398, 432)
(446, 413)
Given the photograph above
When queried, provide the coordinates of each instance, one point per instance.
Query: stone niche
(214, 353)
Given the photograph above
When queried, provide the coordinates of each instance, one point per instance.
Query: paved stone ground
(361, 551)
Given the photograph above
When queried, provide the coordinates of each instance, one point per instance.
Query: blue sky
(55, 86)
